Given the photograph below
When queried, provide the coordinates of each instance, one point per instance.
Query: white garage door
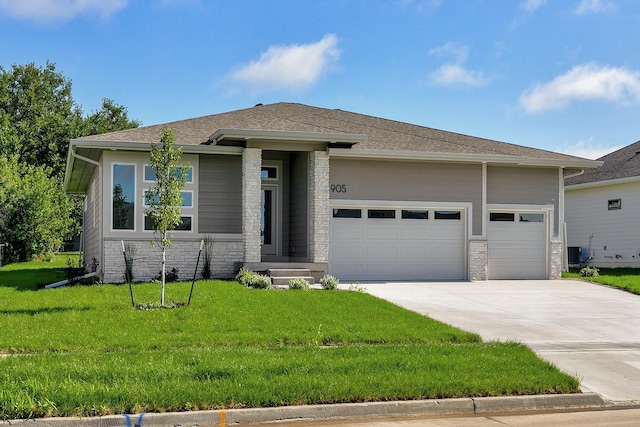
(517, 245)
(397, 244)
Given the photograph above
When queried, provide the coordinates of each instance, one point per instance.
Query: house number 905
(338, 188)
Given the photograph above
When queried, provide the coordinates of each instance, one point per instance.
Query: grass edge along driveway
(627, 279)
(84, 351)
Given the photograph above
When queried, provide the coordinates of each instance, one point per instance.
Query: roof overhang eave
(134, 146)
(627, 180)
(349, 139)
(146, 146)
(464, 158)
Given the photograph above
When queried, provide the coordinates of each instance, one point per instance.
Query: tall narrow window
(123, 197)
(266, 216)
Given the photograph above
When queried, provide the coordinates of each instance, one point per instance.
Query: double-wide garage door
(381, 243)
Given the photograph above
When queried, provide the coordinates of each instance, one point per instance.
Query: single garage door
(373, 243)
(517, 245)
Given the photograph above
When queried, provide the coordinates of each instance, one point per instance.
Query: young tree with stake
(164, 199)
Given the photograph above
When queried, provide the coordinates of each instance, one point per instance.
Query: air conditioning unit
(574, 254)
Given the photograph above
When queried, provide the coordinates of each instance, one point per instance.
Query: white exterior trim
(461, 158)
(627, 180)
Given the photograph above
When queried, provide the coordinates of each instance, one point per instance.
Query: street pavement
(587, 330)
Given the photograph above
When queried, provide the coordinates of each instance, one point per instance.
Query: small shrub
(299, 284)
(74, 271)
(245, 276)
(357, 287)
(260, 281)
(207, 254)
(329, 283)
(589, 272)
(170, 276)
(129, 255)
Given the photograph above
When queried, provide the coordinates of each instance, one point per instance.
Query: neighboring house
(602, 211)
(359, 197)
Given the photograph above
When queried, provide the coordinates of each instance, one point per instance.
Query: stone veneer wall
(251, 187)
(182, 254)
(478, 259)
(319, 206)
(556, 260)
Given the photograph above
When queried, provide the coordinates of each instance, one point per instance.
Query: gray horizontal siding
(520, 185)
(220, 194)
(409, 181)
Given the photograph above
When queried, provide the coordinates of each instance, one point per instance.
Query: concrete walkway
(587, 330)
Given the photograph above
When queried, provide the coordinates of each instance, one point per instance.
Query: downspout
(84, 159)
(72, 150)
(573, 174)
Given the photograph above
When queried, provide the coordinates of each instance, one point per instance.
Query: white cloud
(458, 51)
(421, 5)
(454, 72)
(292, 67)
(451, 74)
(583, 83)
(588, 149)
(532, 5)
(593, 6)
(59, 10)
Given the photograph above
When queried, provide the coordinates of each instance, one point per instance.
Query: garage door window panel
(381, 213)
(415, 214)
(502, 216)
(531, 217)
(347, 213)
(448, 215)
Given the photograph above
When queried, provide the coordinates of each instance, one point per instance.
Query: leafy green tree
(38, 118)
(164, 198)
(34, 218)
(111, 117)
(38, 115)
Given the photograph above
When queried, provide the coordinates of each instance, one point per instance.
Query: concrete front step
(288, 272)
(284, 281)
(317, 269)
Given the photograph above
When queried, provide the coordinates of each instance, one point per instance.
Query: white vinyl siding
(589, 220)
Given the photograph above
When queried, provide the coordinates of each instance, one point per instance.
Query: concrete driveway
(587, 330)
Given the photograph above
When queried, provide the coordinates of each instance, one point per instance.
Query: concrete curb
(435, 407)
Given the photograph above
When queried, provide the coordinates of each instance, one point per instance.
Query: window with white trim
(186, 195)
(123, 196)
(150, 174)
(185, 224)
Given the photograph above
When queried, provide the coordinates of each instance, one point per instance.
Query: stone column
(251, 187)
(319, 206)
(556, 260)
(478, 259)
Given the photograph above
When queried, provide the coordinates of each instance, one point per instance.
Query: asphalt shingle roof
(382, 134)
(624, 163)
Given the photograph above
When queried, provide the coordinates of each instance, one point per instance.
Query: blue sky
(561, 75)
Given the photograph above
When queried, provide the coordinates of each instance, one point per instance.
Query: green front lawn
(83, 350)
(622, 278)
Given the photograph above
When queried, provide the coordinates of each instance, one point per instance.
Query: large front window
(123, 197)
